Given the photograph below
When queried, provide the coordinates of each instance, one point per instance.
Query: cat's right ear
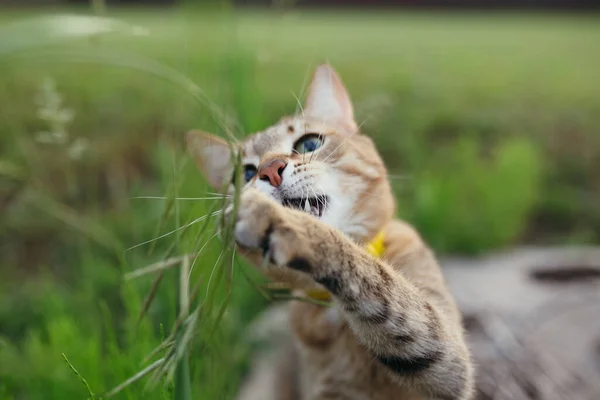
(328, 99)
(213, 157)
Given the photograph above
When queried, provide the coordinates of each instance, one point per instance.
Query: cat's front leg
(404, 324)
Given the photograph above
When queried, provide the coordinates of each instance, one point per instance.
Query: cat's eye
(249, 172)
(308, 143)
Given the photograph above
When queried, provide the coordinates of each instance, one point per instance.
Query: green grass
(487, 122)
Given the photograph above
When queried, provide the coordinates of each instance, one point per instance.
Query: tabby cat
(317, 213)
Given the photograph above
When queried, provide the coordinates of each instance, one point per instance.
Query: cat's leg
(407, 328)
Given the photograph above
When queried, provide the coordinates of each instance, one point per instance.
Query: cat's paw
(254, 220)
(266, 226)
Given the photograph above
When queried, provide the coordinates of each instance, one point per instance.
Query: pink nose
(271, 171)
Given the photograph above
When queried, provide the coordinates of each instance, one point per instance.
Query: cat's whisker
(313, 153)
(176, 230)
(325, 201)
(302, 195)
(303, 118)
(314, 193)
(346, 139)
(309, 189)
(298, 105)
(319, 201)
(307, 206)
(304, 85)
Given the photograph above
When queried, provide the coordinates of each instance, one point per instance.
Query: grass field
(489, 124)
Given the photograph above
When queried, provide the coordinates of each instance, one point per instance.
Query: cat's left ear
(328, 99)
(213, 157)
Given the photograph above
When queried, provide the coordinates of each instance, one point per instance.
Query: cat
(315, 193)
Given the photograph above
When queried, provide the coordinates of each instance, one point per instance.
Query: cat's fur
(393, 331)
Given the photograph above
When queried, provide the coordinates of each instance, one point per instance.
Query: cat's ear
(328, 99)
(213, 157)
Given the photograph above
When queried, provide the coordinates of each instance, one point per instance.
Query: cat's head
(316, 161)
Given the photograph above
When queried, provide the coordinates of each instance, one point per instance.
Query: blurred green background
(488, 123)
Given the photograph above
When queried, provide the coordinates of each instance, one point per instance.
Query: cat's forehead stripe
(264, 141)
(267, 140)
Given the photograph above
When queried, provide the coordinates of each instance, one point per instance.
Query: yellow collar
(375, 247)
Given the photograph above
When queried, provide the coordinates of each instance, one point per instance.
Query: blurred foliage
(467, 202)
(488, 124)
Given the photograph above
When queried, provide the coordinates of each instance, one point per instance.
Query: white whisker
(312, 189)
(346, 139)
(313, 153)
(304, 84)
(324, 197)
(322, 200)
(303, 118)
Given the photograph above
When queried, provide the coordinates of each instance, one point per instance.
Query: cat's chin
(315, 206)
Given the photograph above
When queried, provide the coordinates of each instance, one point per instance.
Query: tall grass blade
(182, 370)
(133, 379)
(156, 267)
(150, 297)
(81, 378)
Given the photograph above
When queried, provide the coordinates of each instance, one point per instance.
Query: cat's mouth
(315, 206)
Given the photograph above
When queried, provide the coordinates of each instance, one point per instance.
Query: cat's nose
(271, 171)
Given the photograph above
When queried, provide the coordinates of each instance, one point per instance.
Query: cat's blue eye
(308, 143)
(249, 172)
